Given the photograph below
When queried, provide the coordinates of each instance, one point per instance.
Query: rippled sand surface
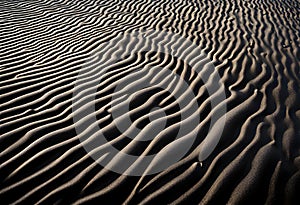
(56, 56)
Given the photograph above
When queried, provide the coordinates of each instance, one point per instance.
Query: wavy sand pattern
(254, 46)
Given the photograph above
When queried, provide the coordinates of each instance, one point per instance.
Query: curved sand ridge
(254, 46)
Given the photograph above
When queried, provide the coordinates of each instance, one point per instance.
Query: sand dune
(68, 70)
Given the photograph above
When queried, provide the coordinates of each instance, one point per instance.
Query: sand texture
(68, 70)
